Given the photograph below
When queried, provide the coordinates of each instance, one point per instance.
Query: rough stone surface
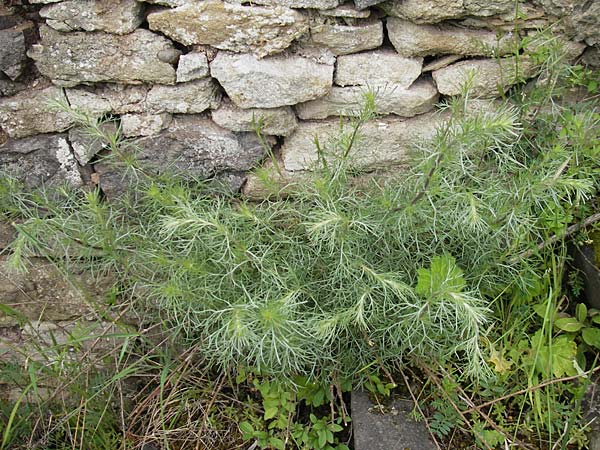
(30, 112)
(346, 10)
(443, 61)
(109, 98)
(275, 122)
(7, 234)
(489, 77)
(73, 58)
(377, 67)
(313, 4)
(227, 26)
(133, 125)
(43, 293)
(382, 143)
(271, 82)
(12, 50)
(425, 40)
(433, 11)
(45, 159)
(184, 98)
(192, 66)
(346, 39)
(581, 19)
(389, 99)
(362, 4)
(113, 16)
(192, 145)
(86, 146)
(389, 428)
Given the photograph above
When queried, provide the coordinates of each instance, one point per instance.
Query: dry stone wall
(188, 79)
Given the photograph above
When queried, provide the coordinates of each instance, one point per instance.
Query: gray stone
(362, 4)
(30, 112)
(312, 4)
(389, 99)
(381, 143)
(171, 3)
(234, 27)
(346, 39)
(377, 67)
(184, 98)
(7, 234)
(275, 121)
(133, 125)
(410, 39)
(45, 159)
(192, 66)
(433, 11)
(13, 47)
(113, 16)
(346, 10)
(443, 61)
(487, 78)
(591, 57)
(271, 82)
(386, 428)
(580, 19)
(109, 98)
(192, 146)
(73, 58)
(85, 145)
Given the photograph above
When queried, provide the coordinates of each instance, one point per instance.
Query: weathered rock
(192, 146)
(192, 66)
(85, 145)
(30, 112)
(227, 26)
(362, 4)
(381, 143)
(43, 159)
(346, 10)
(271, 82)
(346, 39)
(109, 98)
(410, 39)
(275, 122)
(133, 125)
(387, 429)
(378, 67)
(43, 293)
(443, 61)
(184, 98)
(389, 99)
(113, 16)
(486, 77)
(433, 11)
(591, 57)
(13, 47)
(580, 19)
(7, 234)
(171, 3)
(313, 4)
(73, 58)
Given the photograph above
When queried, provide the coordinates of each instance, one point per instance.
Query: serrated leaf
(442, 278)
(568, 324)
(581, 312)
(591, 336)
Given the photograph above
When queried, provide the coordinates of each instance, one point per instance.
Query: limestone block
(362, 4)
(29, 112)
(275, 121)
(192, 66)
(184, 98)
(192, 145)
(489, 78)
(380, 144)
(410, 39)
(271, 82)
(234, 27)
(113, 16)
(346, 39)
(434, 11)
(133, 125)
(313, 4)
(42, 159)
(346, 10)
(43, 293)
(13, 48)
(389, 99)
(109, 98)
(377, 67)
(85, 146)
(73, 58)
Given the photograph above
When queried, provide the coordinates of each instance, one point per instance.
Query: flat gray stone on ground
(390, 431)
